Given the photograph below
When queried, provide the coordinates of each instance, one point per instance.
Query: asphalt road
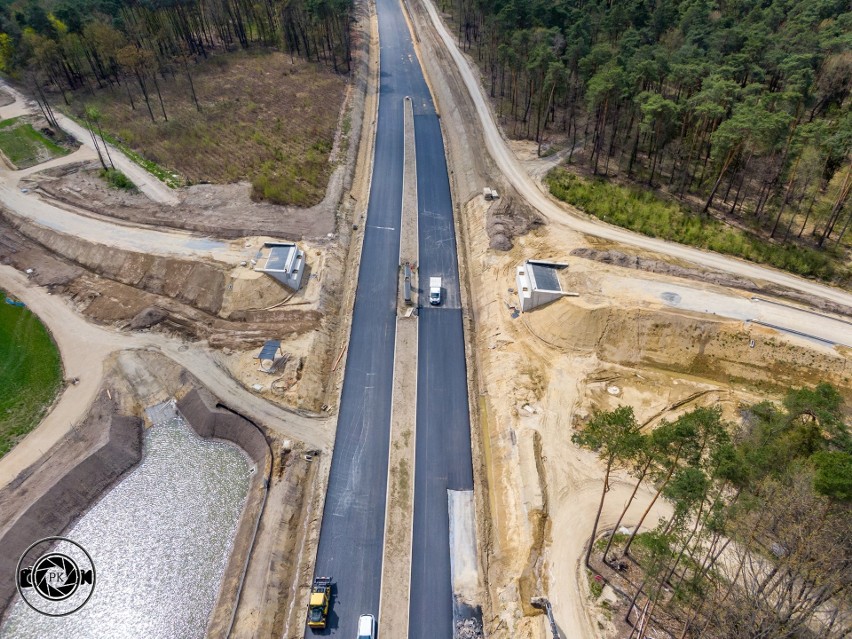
(443, 459)
(352, 533)
(351, 538)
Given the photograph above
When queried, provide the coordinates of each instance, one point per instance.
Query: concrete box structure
(538, 283)
(284, 261)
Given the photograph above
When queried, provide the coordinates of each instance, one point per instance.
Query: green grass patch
(26, 147)
(292, 183)
(595, 586)
(643, 212)
(169, 178)
(618, 540)
(118, 179)
(30, 372)
(553, 149)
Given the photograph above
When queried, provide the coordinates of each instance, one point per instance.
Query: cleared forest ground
(265, 117)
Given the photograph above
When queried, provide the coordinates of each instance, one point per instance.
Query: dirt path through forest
(144, 181)
(563, 214)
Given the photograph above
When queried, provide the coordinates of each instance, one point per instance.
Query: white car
(366, 627)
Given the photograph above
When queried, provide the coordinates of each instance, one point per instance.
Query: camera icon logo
(58, 582)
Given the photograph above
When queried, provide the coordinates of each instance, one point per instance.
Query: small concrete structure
(406, 284)
(538, 283)
(284, 261)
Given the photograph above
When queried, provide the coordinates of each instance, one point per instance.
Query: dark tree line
(758, 544)
(83, 44)
(741, 105)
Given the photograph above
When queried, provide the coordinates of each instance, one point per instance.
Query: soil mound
(679, 341)
(508, 218)
(148, 317)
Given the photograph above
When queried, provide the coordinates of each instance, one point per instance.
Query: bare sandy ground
(622, 341)
(14, 104)
(221, 210)
(254, 307)
(84, 347)
(123, 236)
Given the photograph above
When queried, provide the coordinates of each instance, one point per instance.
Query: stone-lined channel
(160, 540)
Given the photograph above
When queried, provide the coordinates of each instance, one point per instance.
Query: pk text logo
(56, 576)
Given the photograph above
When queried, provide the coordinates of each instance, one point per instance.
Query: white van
(435, 291)
(366, 627)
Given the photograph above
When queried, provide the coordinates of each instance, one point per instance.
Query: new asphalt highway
(351, 537)
(443, 456)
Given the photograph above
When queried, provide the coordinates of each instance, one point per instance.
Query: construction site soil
(234, 309)
(222, 210)
(548, 370)
(537, 375)
(627, 260)
(533, 376)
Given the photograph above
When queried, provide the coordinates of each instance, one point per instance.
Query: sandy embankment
(546, 371)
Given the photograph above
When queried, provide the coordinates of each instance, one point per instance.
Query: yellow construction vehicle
(319, 603)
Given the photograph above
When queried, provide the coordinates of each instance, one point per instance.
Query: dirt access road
(102, 230)
(99, 230)
(560, 213)
(144, 181)
(798, 322)
(122, 236)
(84, 347)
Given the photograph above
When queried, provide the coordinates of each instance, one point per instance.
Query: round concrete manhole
(672, 299)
